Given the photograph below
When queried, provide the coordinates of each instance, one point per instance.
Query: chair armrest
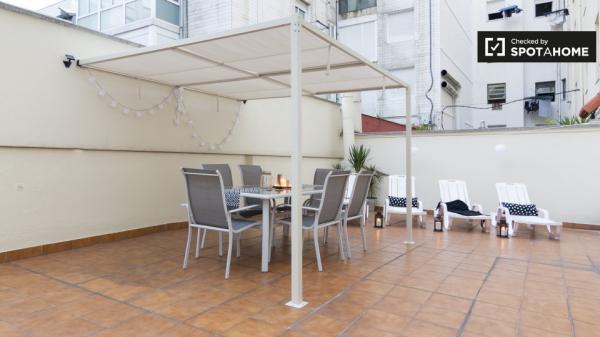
(306, 208)
(184, 205)
(242, 209)
(543, 213)
(477, 208)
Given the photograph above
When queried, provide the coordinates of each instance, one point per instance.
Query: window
(362, 38)
(87, 7)
(545, 89)
(111, 18)
(400, 26)
(168, 10)
(563, 89)
(543, 8)
(347, 6)
(90, 21)
(496, 93)
(110, 3)
(137, 10)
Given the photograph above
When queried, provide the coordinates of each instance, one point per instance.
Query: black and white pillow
(521, 209)
(401, 202)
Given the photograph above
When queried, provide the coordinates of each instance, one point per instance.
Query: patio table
(266, 195)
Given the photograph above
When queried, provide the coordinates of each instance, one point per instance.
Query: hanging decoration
(183, 118)
(126, 109)
(181, 115)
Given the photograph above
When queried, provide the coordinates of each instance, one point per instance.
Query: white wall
(72, 167)
(554, 163)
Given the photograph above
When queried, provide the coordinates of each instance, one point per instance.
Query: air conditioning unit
(558, 17)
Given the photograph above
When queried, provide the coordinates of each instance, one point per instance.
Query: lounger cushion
(401, 201)
(521, 209)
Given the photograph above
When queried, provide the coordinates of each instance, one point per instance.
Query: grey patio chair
(251, 175)
(207, 210)
(318, 179)
(356, 208)
(224, 170)
(328, 212)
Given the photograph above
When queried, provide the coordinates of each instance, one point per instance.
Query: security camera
(68, 60)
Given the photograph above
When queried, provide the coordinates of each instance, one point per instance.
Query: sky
(31, 4)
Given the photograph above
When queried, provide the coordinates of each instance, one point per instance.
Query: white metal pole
(409, 187)
(296, 105)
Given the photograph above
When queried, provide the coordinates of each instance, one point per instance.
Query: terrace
(93, 234)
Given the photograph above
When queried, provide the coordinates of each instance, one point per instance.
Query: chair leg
(341, 241)
(317, 251)
(203, 238)
(362, 233)
(347, 239)
(187, 248)
(198, 242)
(239, 238)
(220, 243)
(229, 251)
(326, 235)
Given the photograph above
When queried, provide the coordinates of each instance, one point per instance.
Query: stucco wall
(72, 167)
(558, 166)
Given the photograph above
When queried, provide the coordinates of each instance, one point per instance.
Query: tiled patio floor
(461, 283)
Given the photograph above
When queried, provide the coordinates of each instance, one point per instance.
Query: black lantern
(378, 220)
(502, 229)
(438, 223)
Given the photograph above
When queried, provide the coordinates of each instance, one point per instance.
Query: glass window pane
(110, 3)
(111, 18)
(90, 22)
(87, 7)
(137, 10)
(167, 11)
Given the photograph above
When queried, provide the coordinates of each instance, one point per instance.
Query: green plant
(338, 166)
(574, 120)
(358, 156)
(376, 181)
(424, 127)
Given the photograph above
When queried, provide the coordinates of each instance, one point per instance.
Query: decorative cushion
(401, 202)
(521, 209)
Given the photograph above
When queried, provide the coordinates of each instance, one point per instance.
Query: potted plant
(358, 157)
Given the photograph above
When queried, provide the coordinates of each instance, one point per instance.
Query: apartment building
(500, 83)
(417, 41)
(585, 16)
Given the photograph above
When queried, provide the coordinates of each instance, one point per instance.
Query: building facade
(501, 83)
(415, 40)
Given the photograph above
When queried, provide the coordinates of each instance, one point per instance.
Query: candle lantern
(438, 223)
(502, 229)
(378, 220)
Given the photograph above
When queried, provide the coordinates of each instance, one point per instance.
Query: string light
(181, 115)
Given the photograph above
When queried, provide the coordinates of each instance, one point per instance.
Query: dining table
(268, 197)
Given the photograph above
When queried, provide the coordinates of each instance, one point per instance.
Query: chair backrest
(454, 190)
(332, 200)
(397, 186)
(251, 175)
(513, 193)
(206, 200)
(224, 170)
(360, 189)
(321, 175)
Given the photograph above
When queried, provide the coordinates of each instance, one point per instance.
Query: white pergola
(283, 58)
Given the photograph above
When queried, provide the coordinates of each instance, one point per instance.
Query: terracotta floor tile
(447, 302)
(385, 321)
(364, 330)
(583, 329)
(321, 326)
(254, 328)
(218, 320)
(545, 322)
(410, 294)
(143, 326)
(418, 328)
(184, 331)
(490, 327)
(447, 318)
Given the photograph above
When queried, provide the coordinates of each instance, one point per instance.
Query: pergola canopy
(250, 63)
